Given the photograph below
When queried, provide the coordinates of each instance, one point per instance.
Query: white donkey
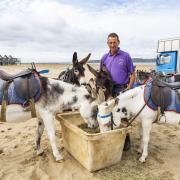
(55, 96)
(129, 104)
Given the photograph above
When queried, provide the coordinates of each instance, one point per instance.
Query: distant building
(9, 60)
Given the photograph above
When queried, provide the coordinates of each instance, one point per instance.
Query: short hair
(114, 35)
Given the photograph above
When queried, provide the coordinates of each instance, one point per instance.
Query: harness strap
(108, 115)
(112, 122)
(105, 116)
(30, 100)
(4, 101)
(33, 109)
(158, 115)
(129, 123)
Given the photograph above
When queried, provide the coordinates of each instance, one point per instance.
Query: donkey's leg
(39, 132)
(140, 148)
(146, 128)
(48, 119)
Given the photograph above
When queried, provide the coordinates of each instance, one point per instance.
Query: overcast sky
(51, 30)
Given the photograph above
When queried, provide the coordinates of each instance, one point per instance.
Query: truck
(168, 56)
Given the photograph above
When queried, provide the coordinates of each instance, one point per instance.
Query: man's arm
(131, 81)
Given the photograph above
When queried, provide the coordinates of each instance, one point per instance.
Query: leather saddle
(161, 92)
(8, 77)
(26, 83)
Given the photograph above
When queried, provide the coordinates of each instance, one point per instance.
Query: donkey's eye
(106, 104)
(75, 69)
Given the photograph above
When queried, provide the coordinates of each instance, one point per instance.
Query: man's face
(113, 44)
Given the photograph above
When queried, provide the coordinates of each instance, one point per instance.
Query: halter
(106, 116)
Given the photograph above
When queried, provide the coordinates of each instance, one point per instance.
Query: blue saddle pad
(175, 103)
(13, 97)
(147, 98)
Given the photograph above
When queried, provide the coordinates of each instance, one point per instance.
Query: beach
(18, 159)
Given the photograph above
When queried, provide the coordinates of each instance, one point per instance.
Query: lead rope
(112, 122)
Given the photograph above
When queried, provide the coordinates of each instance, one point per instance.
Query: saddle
(26, 86)
(8, 77)
(161, 92)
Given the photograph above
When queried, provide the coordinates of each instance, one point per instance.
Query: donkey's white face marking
(82, 80)
(104, 116)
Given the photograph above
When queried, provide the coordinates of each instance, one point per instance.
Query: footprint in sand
(156, 158)
(172, 135)
(166, 132)
(166, 175)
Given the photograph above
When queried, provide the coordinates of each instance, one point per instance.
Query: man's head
(113, 42)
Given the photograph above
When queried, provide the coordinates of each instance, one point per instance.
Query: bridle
(111, 123)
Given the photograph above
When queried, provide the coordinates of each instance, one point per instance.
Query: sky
(51, 30)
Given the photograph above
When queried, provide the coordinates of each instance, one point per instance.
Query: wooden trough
(93, 151)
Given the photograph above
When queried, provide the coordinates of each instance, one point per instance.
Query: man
(121, 68)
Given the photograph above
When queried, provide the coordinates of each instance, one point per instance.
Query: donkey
(107, 117)
(76, 74)
(55, 95)
(142, 76)
(103, 80)
(130, 103)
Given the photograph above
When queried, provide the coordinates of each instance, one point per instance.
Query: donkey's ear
(84, 60)
(111, 103)
(92, 70)
(105, 71)
(75, 60)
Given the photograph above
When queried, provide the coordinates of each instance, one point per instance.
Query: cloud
(51, 30)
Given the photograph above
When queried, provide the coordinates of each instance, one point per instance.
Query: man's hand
(131, 81)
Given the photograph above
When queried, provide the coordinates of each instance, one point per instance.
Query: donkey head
(104, 116)
(78, 68)
(142, 76)
(75, 75)
(103, 80)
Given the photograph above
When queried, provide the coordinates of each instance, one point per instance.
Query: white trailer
(168, 58)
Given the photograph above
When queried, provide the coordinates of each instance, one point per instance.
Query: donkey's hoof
(40, 152)
(59, 158)
(142, 159)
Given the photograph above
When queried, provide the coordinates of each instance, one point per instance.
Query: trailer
(168, 56)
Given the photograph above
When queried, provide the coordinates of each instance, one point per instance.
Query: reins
(112, 122)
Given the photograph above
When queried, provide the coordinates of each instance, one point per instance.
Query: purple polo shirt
(119, 65)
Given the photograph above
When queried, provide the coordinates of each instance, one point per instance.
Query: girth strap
(30, 100)
(4, 101)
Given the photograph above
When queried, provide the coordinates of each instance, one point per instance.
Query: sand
(18, 160)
